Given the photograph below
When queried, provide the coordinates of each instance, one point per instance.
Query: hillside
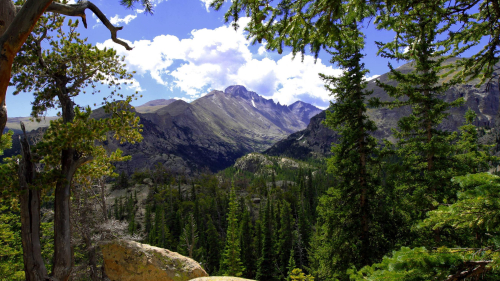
(316, 139)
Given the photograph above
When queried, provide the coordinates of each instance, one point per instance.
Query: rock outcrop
(252, 162)
(131, 261)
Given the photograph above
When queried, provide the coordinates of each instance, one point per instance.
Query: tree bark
(16, 30)
(63, 257)
(34, 267)
(70, 162)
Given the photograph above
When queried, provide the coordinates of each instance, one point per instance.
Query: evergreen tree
(474, 214)
(212, 247)
(122, 181)
(231, 260)
(422, 174)
(303, 234)
(246, 235)
(147, 219)
(189, 237)
(345, 236)
(471, 156)
(265, 264)
(291, 266)
(116, 209)
(285, 242)
(179, 189)
(257, 241)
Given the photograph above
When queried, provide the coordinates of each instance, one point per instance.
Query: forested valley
(422, 205)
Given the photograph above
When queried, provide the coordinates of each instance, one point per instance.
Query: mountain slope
(154, 105)
(316, 139)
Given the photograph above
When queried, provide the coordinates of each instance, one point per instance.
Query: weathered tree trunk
(34, 267)
(63, 256)
(7, 14)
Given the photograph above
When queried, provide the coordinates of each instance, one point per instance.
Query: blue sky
(184, 50)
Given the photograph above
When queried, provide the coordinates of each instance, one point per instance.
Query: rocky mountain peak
(298, 104)
(241, 91)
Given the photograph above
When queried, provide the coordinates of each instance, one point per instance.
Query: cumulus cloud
(116, 20)
(217, 58)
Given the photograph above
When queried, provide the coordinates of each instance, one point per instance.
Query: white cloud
(262, 50)
(207, 4)
(184, 99)
(131, 84)
(116, 20)
(156, 2)
(217, 58)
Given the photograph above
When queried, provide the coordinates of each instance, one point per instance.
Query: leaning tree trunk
(34, 267)
(7, 13)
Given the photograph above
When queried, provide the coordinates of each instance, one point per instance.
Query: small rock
(148, 181)
(131, 261)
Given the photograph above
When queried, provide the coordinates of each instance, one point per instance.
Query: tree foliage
(58, 74)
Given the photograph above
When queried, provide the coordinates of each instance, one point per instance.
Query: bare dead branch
(472, 269)
(78, 10)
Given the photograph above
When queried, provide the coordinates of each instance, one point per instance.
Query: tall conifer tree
(212, 247)
(345, 236)
(265, 264)
(246, 235)
(231, 260)
(423, 174)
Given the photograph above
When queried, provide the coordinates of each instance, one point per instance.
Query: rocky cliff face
(316, 139)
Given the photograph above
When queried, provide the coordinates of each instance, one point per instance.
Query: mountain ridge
(315, 141)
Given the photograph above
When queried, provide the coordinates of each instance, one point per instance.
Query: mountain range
(210, 132)
(218, 128)
(214, 130)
